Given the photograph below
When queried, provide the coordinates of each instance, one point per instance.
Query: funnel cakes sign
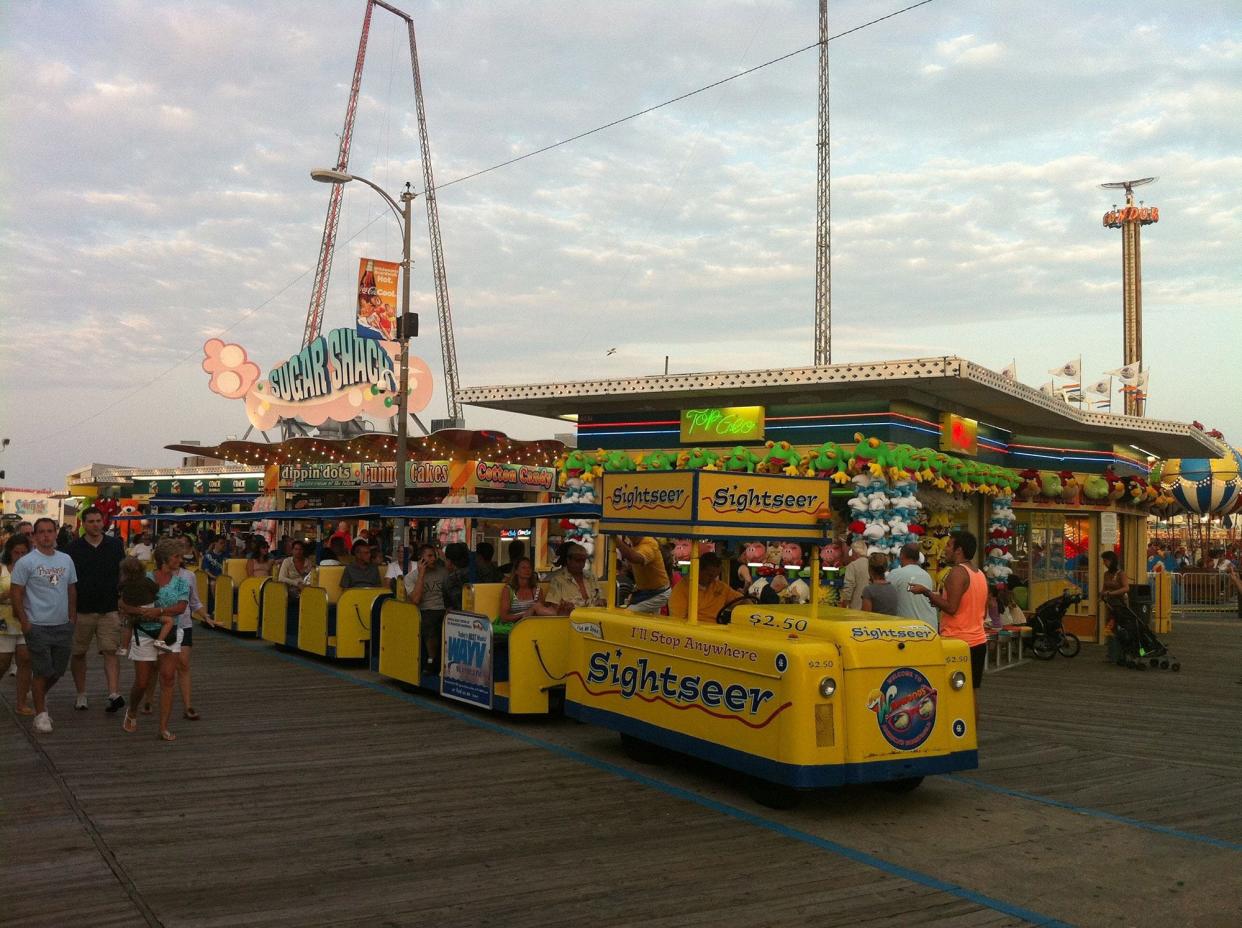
(338, 376)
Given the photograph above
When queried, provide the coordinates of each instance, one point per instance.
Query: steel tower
(1130, 219)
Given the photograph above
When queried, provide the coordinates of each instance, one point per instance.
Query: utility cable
(677, 99)
(496, 167)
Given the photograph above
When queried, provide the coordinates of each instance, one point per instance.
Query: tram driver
(714, 594)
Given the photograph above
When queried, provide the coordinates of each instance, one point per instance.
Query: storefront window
(1052, 552)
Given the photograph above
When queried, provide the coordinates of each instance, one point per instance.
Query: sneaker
(80, 703)
(43, 723)
(114, 703)
(162, 645)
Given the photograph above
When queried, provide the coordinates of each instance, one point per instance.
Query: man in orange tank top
(964, 603)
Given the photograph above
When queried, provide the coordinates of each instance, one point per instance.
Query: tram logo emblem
(905, 708)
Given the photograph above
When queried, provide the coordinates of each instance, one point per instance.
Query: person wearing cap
(856, 575)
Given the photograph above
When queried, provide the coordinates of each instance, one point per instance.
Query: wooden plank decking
(311, 796)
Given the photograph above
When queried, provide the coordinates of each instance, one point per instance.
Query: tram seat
(483, 598)
(226, 589)
(249, 602)
(399, 655)
(333, 622)
(538, 653)
(275, 624)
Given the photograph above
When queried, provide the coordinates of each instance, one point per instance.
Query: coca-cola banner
(377, 298)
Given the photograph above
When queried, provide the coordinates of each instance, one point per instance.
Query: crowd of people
(65, 596)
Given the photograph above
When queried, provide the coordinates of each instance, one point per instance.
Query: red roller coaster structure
(323, 270)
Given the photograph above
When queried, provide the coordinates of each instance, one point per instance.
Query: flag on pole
(1068, 369)
(1071, 396)
(1103, 404)
(1128, 375)
(1049, 388)
(1100, 388)
(1011, 370)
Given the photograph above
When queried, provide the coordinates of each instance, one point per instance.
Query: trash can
(1142, 599)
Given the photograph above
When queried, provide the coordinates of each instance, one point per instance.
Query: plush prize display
(582, 531)
(998, 566)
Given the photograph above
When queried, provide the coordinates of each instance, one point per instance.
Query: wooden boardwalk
(314, 796)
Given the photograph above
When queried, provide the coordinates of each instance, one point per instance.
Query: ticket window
(1053, 551)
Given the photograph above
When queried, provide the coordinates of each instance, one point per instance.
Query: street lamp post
(402, 213)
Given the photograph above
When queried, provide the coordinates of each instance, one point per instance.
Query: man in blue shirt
(45, 601)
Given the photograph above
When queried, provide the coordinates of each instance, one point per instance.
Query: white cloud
(154, 200)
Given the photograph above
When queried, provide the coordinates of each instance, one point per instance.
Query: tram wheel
(1070, 645)
(904, 785)
(773, 795)
(642, 752)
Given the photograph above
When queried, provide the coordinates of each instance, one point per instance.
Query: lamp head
(331, 176)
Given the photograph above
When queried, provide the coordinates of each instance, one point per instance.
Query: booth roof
(949, 384)
(446, 444)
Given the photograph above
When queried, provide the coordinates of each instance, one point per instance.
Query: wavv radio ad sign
(710, 504)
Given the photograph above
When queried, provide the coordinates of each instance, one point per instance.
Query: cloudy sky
(155, 194)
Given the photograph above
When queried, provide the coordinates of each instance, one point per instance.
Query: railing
(1202, 591)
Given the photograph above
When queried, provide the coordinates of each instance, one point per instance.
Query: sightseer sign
(705, 425)
(715, 504)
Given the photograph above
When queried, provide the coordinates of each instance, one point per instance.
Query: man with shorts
(97, 560)
(651, 589)
(45, 601)
(963, 605)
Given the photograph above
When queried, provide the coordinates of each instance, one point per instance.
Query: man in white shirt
(909, 605)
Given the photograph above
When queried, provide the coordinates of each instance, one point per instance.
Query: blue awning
(496, 511)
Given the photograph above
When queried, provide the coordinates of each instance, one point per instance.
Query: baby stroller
(1139, 647)
(1048, 635)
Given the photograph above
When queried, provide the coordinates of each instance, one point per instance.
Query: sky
(155, 193)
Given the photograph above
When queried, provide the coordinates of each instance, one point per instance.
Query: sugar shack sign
(721, 423)
(340, 375)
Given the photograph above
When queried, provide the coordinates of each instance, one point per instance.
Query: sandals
(130, 724)
(166, 735)
(191, 714)
(24, 710)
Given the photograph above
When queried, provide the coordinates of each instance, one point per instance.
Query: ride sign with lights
(339, 375)
(959, 434)
(721, 423)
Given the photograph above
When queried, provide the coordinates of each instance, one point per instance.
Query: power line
(496, 167)
(678, 98)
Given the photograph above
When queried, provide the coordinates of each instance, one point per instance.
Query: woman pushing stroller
(1114, 588)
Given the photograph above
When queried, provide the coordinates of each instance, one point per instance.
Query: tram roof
(950, 384)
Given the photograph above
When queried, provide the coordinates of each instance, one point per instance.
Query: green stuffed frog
(739, 460)
(902, 464)
(829, 459)
(657, 461)
(871, 455)
(616, 462)
(780, 459)
(698, 459)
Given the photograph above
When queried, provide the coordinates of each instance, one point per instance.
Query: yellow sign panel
(761, 500)
(649, 497)
(958, 434)
(721, 423)
(709, 504)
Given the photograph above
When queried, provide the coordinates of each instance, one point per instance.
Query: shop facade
(1044, 486)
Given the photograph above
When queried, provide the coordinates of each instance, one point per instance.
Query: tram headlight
(827, 687)
(957, 679)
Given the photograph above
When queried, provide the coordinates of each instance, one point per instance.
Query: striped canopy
(1206, 485)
